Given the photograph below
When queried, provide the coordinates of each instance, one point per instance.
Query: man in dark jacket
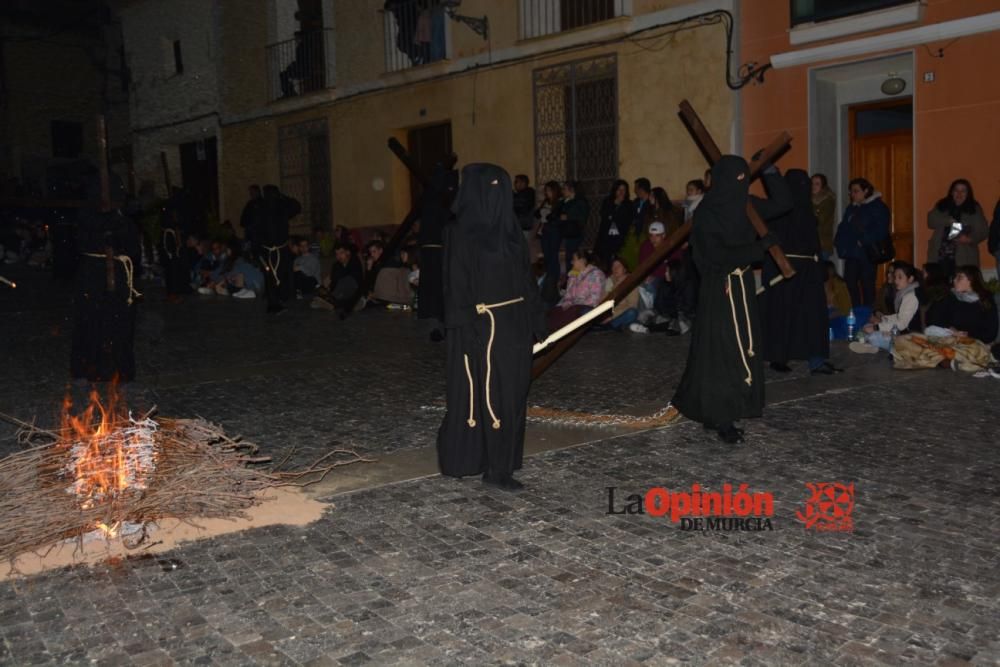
(573, 217)
(524, 204)
(276, 258)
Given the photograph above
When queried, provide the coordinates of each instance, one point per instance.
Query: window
(304, 164)
(178, 60)
(414, 33)
(67, 138)
(547, 17)
(815, 11)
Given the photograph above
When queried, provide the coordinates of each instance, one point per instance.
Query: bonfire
(107, 473)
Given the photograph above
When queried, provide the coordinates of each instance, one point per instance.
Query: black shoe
(730, 435)
(780, 368)
(505, 482)
(826, 368)
(437, 336)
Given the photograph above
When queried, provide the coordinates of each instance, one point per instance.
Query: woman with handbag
(863, 240)
(959, 226)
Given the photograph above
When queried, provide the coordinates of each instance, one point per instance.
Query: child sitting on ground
(879, 331)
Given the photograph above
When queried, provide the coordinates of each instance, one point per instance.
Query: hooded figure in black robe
(724, 379)
(435, 213)
(794, 313)
(492, 314)
(176, 223)
(104, 308)
(275, 257)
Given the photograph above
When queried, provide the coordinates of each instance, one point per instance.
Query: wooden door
(427, 146)
(882, 152)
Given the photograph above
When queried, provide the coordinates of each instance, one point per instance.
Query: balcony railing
(415, 33)
(300, 65)
(815, 11)
(547, 17)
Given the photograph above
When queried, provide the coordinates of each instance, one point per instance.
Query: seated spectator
(346, 282)
(306, 270)
(969, 311)
(881, 328)
(652, 288)
(626, 310)
(885, 300)
(584, 290)
(242, 279)
(210, 266)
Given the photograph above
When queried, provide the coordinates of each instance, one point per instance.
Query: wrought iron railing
(415, 33)
(300, 65)
(547, 17)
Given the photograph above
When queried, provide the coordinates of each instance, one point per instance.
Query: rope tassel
(736, 325)
(486, 309)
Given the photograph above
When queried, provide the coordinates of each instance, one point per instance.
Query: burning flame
(110, 453)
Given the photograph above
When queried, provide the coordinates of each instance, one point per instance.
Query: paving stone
(449, 572)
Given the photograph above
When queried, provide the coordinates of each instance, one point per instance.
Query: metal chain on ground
(555, 417)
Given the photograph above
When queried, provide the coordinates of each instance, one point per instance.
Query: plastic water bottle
(831, 334)
(852, 323)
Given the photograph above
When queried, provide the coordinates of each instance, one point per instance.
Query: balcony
(300, 65)
(548, 17)
(415, 33)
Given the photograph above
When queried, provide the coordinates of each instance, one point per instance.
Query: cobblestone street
(437, 570)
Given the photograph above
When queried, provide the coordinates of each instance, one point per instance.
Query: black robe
(176, 224)
(486, 262)
(435, 213)
(103, 320)
(724, 377)
(793, 312)
(277, 210)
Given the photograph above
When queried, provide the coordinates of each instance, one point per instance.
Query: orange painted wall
(957, 116)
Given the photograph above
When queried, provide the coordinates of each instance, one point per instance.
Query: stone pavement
(442, 571)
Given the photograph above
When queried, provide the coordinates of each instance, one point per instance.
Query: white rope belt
(273, 267)
(129, 272)
(173, 233)
(738, 273)
(487, 309)
(814, 258)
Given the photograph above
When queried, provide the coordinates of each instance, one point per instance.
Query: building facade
(61, 66)
(586, 90)
(906, 94)
(173, 50)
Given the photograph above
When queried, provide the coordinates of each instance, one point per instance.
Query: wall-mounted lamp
(894, 85)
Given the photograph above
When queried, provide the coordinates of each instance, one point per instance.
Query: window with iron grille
(547, 17)
(576, 128)
(815, 11)
(304, 162)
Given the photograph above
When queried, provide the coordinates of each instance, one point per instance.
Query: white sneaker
(683, 324)
(206, 290)
(635, 327)
(862, 348)
(245, 294)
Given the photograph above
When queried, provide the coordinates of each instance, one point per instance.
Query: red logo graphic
(829, 508)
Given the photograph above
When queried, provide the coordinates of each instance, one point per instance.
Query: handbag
(882, 251)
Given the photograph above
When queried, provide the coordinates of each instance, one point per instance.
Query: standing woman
(548, 215)
(616, 217)
(724, 378)
(824, 205)
(959, 226)
(491, 313)
(865, 223)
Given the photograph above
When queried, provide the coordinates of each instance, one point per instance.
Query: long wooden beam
(542, 363)
(714, 154)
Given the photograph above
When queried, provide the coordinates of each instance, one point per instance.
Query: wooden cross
(712, 152)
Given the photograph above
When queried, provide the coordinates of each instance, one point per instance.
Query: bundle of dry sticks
(199, 471)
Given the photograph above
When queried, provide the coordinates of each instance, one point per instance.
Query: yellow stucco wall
(491, 112)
